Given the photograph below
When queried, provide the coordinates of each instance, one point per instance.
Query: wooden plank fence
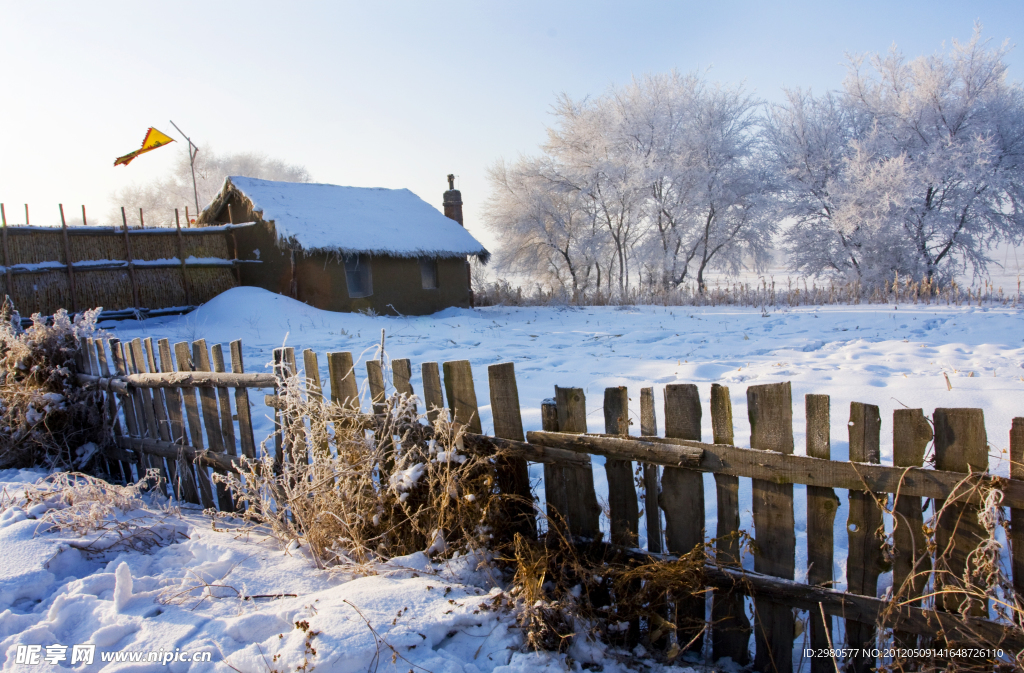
(157, 421)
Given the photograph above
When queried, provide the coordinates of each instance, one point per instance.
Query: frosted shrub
(44, 415)
(359, 498)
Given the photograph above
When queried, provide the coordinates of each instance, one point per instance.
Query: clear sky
(391, 94)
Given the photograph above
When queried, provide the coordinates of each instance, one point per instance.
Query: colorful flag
(153, 140)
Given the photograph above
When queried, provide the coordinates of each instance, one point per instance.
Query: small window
(358, 276)
(428, 272)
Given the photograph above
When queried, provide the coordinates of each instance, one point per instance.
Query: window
(428, 272)
(358, 276)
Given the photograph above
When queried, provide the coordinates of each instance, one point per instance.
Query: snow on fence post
(1017, 515)
(195, 428)
(730, 630)
(582, 512)
(649, 428)
(344, 390)
(960, 446)
(144, 401)
(682, 498)
(461, 394)
(770, 412)
(245, 433)
(622, 502)
(865, 559)
(131, 415)
(912, 561)
(513, 473)
(433, 398)
(822, 506)
(185, 485)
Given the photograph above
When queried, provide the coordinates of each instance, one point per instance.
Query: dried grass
(45, 417)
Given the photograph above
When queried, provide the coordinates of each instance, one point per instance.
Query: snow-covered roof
(354, 219)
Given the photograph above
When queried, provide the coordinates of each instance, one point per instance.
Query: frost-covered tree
(915, 167)
(159, 198)
(545, 232)
(661, 175)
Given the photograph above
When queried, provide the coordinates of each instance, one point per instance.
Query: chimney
(453, 201)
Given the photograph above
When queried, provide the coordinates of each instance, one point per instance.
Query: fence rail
(186, 410)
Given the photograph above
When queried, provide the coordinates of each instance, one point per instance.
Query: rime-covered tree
(915, 167)
(159, 198)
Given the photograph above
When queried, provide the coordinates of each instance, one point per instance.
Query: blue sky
(391, 94)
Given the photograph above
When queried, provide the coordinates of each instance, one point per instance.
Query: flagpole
(192, 152)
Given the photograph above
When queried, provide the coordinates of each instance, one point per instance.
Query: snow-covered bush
(45, 416)
(357, 499)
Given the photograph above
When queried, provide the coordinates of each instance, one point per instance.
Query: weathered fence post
(315, 392)
(730, 628)
(185, 485)
(131, 415)
(770, 411)
(375, 379)
(461, 394)
(822, 506)
(401, 373)
(195, 427)
(912, 562)
(652, 512)
(682, 498)
(582, 513)
(111, 406)
(1017, 515)
(556, 495)
(961, 445)
(144, 399)
(245, 434)
(344, 390)
(513, 473)
(622, 502)
(865, 558)
(433, 398)
(227, 502)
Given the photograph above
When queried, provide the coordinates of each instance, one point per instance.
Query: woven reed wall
(46, 291)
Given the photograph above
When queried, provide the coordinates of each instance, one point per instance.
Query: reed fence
(78, 267)
(158, 421)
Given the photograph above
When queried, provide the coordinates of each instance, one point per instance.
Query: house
(349, 248)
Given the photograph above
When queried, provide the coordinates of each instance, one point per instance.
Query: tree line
(914, 167)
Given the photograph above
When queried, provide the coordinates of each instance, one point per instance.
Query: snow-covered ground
(892, 356)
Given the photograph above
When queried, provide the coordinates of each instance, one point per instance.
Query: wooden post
(961, 445)
(682, 498)
(227, 427)
(401, 372)
(142, 222)
(433, 398)
(375, 379)
(625, 514)
(770, 411)
(461, 394)
(162, 415)
(315, 391)
(730, 628)
(132, 419)
(556, 492)
(143, 398)
(185, 485)
(1017, 515)
(84, 223)
(188, 222)
(865, 558)
(7, 254)
(68, 261)
(652, 512)
(513, 473)
(207, 397)
(344, 390)
(128, 257)
(912, 563)
(195, 427)
(822, 505)
(583, 513)
(111, 405)
(242, 403)
(181, 258)
(27, 223)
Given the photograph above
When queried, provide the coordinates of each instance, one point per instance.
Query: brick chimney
(453, 201)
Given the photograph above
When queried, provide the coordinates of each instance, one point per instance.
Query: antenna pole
(192, 152)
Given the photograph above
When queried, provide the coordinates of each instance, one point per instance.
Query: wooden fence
(78, 267)
(159, 422)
